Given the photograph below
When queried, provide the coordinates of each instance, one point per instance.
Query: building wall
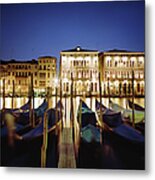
(43, 71)
(84, 69)
(46, 73)
(118, 69)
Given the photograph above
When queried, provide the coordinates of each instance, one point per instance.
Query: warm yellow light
(141, 59)
(133, 58)
(108, 58)
(116, 83)
(56, 81)
(1, 82)
(117, 58)
(124, 58)
(65, 80)
(125, 81)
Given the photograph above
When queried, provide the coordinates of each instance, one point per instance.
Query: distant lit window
(108, 58)
(133, 59)
(116, 58)
(124, 58)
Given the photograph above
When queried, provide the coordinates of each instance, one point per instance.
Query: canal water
(19, 101)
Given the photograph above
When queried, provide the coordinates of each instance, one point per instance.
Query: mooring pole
(3, 94)
(13, 93)
(133, 95)
(45, 141)
(91, 106)
(56, 106)
(61, 117)
(72, 106)
(33, 103)
(100, 93)
(109, 91)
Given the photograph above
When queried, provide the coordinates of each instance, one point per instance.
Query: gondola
(136, 106)
(31, 141)
(23, 108)
(140, 126)
(90, 131)
(104, 109)
(121, 131)
(127, 113)
(22, 120)
(52, 121)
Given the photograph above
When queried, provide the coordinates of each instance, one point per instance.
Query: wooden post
(90, 97)
(45, 141)
(48, 97)
(80, 114)
(133, 113)
(100, 93)
(31, 97)
(109, 92)
(30, 107)
(3, 94)
(13, 93)
(61, 118)
(72, 106)
(56, 106)
(32, 89)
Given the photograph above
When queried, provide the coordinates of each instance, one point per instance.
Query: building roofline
(78, 49)
(40, 57)
(13, 61)
(121, 51)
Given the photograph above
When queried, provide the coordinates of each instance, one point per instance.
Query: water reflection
(19, 101)
(66, 102)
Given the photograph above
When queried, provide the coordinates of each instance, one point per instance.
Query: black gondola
(88, 123)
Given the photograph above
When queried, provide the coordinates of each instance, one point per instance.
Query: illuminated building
(20, 72)
(80, 67)
(46, 72)
(83, 65)
(119, 69)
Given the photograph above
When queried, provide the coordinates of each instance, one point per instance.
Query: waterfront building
(20, 73)
(119, 70)
(80, 67)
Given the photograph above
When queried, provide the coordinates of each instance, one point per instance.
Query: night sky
(32, 30)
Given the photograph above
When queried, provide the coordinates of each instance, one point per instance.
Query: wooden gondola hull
(89, 131)
(123, 134)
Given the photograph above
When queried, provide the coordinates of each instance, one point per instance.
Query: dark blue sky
(32, 30)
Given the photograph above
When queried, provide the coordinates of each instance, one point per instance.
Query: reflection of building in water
(43, 71)
(116, 69)
(83, 65)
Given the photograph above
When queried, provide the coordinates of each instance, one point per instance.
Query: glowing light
(141, 76)
(56, 81)
(108, 75)
(116, 83)
(108, 58)
(113, 75)
(117, 58)
(65, 80)
(141, 59)
(78, 48)
(133, 58)
(125, 81)
(142, 83)
(124, 58)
